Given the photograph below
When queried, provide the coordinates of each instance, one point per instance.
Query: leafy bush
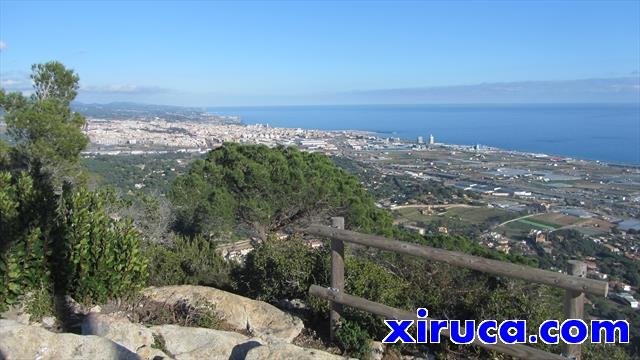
(192, 261)
(604, 351)
(165, 266)
(39, 302)
(353, 339)
(98, 257)
(280, 269)
(284, 269)
(366, 278)
(23, 256)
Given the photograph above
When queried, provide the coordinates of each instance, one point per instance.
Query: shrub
(280, 269)
(39, 302)
(23, 256)
(604, 351)
(353, 339)
(365, 278)
(164, 266)
(191, 261)
(98, 257)
(200, 313)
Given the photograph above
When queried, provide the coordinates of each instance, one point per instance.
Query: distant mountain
(129, 110)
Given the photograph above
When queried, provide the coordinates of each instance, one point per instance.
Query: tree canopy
(45, 129)
(263, 189)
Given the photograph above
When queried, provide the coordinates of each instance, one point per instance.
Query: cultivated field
(467, 214)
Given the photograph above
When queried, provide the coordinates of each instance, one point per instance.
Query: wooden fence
(575, 284)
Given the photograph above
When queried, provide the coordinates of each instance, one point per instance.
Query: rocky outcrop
(113, 336)
(376, 350)
(242, 314)
(119, 329)
(283, 351)
(16, 313)
(121, 339)
(19, 341)
(186, 343)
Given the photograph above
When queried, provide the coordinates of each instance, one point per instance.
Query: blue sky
(267, 53)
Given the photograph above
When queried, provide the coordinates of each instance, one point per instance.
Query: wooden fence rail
(575, 284)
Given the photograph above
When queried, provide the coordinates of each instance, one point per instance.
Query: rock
(426, 356)
(96, 309)
(18, 341)
(186, 343)
(49, 322)
(377, 350)
(150, 353)
(261, 319)
(71, 305)
(117, 328)
(283, 351)
(294, 305)
(16, 313)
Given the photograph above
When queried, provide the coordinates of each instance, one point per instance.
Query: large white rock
(117, 328)
(283, 351)
(187, 343)
(151, 353)
(19, 341)
(261, 319)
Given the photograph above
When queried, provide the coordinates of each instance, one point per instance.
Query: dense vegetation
(154, 173)
(53, 231)
(97, 258)
(23, 224)
(256, 190)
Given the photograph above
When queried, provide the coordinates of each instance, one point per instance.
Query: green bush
(39, 302)
(98, 257)
(353, 339)
(165, 266)
(365, 278)
(23, 256)
(605, 351)
(284, 269)
(191, 261)
(280, 269)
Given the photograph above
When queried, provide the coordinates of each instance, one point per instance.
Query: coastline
(607, 133)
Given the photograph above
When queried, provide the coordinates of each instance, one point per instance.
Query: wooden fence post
(574, 306)
(337, 274)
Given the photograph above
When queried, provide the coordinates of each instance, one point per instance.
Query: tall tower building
(420, 140)
(432, 140)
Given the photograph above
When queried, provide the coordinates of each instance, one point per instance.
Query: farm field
(556, 219)
(515, 229)
(467, 214)
(537, 224)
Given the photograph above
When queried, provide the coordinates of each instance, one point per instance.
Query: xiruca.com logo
(570, 331)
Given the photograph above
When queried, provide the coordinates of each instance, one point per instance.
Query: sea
(605, 132)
